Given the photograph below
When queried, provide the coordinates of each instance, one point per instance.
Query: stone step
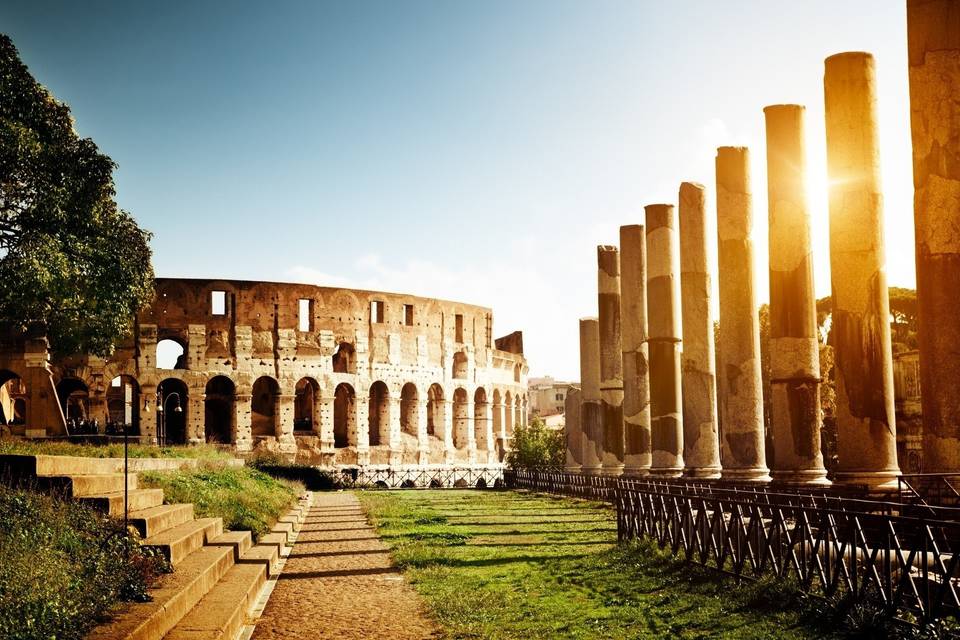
(267, 555)
(239, 541)
(278, 540)
(112, 503)
(78, 486)
(32, 466)
(173, 596)
(180, 541)
(154, 520)
(220, 613)
(285, 528)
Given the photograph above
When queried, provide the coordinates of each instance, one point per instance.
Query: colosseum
(335, 377)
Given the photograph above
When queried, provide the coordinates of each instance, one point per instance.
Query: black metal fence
(901, 554)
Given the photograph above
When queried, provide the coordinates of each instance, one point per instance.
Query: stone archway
(218, 410)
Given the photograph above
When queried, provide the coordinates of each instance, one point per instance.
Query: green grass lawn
(113, 450)
(509, 565)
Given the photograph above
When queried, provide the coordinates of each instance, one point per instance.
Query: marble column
(866, 428)
(701, 443)
(636, 375)
(611, 359)
(663, 341)
(572, 431)
(794, 343)
(592, 428)
(740, 391)
(933, 43)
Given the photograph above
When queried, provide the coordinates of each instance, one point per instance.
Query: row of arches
(171, 354)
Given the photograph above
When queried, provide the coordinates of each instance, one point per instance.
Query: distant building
(906, 382)
(546, 399)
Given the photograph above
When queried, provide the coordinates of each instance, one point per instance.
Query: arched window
(123, 405)
(435, 411)
(480, 419)
(460, 367)
(508, 413)
(497, 413)
(13, 403)
(344, 359)
(263, 408)
(172, 412)
(461, 418)
(344, 416)
(379, 414)
(74, 400)
(306, 395)
(171, 355)
(409, 409)
(218, 410)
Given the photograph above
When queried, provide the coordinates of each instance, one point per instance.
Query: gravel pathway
(338, 582)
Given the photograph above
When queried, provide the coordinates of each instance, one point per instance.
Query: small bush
(535, 446)
(276, 465)
(63, 567)
(246, 499)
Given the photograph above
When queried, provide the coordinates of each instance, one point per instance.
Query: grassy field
(244, 497)
(115, 450)
(506, 565)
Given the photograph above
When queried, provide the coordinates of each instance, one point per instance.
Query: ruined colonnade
(685, 412)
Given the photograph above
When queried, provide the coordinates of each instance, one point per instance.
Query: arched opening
(460, 365)
(379, 414)
(172, 412)
(524, 410)
(304, 418)
(263, 407)
(171, 354)
(518, 415)
(344, 415)
(75, 402)
(123, 405)
(516, 372)
(409, 409)
(218, 410)
(435, 411)
(13, 403)
(480, 419)
(497, 413)
(508, 413)
(460, 418)
(344, 359)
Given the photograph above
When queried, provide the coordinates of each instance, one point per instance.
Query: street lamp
(162, 414)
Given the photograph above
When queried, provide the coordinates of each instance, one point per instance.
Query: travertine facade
(335, 376)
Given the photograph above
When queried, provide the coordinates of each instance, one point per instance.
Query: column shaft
(933, 39)
(590, 394)
(701, 443)
(866, 430)
(636, 376)
(663, 342)
(794, 343)
(611, 359)
(741, 387)
(572, 431)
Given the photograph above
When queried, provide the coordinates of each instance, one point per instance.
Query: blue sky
(468, 150)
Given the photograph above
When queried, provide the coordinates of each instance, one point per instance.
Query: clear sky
(476, 151)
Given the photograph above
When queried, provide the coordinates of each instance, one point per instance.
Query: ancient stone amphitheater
(338, 377)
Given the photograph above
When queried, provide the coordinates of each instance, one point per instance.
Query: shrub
(276, 466)
(63, 566)
(535, 446)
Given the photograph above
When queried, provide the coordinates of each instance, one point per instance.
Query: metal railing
(448, 477)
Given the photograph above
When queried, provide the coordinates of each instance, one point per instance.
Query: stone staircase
(217, 574)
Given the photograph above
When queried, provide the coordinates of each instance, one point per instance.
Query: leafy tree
(536, 446)
(73, 265)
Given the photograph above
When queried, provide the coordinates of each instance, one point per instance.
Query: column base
(666, 472)
(592, 470)
(636, 471)
(805, 477)
(573, 468)
(759, 474)
(611, 470)
(702, 473)
(885, 481)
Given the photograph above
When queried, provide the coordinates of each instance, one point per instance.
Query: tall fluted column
(592, 429)
(701, 440)
(663, 343)
(611, 359)
(740, 391)
(572, 430)
(933, 39)
(636, 376)
(794, 344)
(866, 430)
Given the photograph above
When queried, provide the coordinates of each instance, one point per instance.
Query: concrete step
(180, 541)
(239, 541)
(26, 466)
(172, 598)
(154, 520)
(278, 540)
(220, 613)
(112, 503)
(286, 528)
(78, 486)
(267, 555)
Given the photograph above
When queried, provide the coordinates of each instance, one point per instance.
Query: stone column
(794, 344)
(933, 39)
(611, 359)
(243, 437)
(741, 390)
(148, 417)
(284, 423)
(636, 377)
(664, 342)
(423, 438)
(572, 432)
(592, 428)
(866, 428)
(701, 440)
(448, 426)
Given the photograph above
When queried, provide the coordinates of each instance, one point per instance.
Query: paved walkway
(338, 582)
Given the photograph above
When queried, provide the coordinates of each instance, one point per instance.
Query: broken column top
(660, 215)
(608, 260)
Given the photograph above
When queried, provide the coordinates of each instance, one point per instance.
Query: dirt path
(338, 582)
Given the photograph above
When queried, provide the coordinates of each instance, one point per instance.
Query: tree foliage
(536, 446)
(73, 265)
